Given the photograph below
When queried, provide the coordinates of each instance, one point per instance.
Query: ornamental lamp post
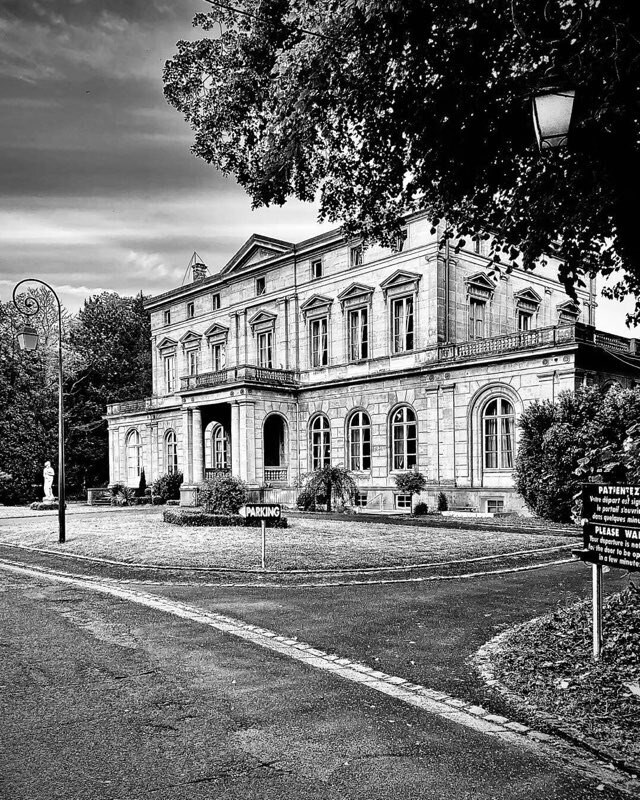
(552, 109)
(28, 305)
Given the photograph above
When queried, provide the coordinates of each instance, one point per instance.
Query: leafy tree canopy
(379, 108)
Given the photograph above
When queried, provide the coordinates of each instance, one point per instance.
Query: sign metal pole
(264, 540)
(596, 583)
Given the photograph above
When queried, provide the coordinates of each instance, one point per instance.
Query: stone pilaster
(197, 446)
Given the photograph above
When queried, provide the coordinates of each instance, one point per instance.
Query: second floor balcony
(243, 374)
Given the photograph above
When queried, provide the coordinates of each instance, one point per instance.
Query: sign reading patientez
(263, 511)
(611, 524)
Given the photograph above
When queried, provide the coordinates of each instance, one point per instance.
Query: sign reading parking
(611, 525)
(263, 511)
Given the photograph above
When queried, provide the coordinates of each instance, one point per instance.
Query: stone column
(187, 449)
(236, 444)
(446, 437)
(198, 446)
(246, 435)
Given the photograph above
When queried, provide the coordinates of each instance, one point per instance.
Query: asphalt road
(104, 698)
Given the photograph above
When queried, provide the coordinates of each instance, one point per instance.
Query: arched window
(219, 448)
(498, 424)
(134, 456)
(359, 438)
(404, 438)
(320, 443)
(171, 451)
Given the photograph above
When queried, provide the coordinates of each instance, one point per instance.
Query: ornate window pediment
(317, 304)
(569, 311)
(167, 345)
(480, 286)
(190, 340)
(527, 299)
(401, 280)
(216, 333)
(262, 321)
(357, 293)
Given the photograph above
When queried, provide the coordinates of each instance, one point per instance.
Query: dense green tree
(328, 485)
(378, 108)
(111, 344)
(28, 422)
(584, 436)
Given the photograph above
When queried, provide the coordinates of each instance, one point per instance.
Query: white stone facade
(293, 356)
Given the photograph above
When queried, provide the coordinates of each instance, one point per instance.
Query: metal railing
(251, 374)
(278, 474)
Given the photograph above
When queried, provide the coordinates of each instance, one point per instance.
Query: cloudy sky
(98, 189)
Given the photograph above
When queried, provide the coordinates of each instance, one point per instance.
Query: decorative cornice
(317, 303)
(263, 319)
(400, 279)
(356, 292)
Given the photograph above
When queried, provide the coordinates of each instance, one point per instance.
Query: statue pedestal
(49, 500)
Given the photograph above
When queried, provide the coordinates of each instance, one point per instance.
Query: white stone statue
(47, 474)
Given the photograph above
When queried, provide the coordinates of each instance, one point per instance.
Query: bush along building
(294, 356)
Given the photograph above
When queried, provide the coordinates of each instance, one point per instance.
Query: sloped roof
(257, 248)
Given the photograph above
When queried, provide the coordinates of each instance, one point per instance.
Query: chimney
(199, 271)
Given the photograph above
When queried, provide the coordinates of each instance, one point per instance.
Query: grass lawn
(141, 536)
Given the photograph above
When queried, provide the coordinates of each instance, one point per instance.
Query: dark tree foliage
(327, 485)
(28, 422)
(111, 344)
(584, 436)
(380, 108)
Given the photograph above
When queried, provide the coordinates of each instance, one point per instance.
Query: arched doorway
(275, 449)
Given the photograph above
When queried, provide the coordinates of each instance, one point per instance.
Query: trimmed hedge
(194, 519)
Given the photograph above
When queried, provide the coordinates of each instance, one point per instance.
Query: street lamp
(552, 116)
(28, 306)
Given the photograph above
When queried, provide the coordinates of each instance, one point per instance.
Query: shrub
(306, 500)
(443, 502)
(410, 483)
(223, 494)
(585, 435)
(156, 500)
(200, 519)
(327, 485)
(121, 495)
(420, 509)
(167, 486)
(142, 485)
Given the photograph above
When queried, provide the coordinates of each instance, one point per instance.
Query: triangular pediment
(315, 303)
(399, 278)
(263, 318)
(216, 330)
(355, 292)
(255, 250)
(570, 308)
(481, 281)
(528, 295)
(190, 337)
(167, 343)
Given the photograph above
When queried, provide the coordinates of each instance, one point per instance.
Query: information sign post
(611, 531)
(263, 512)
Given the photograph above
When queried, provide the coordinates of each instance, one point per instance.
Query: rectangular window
(360, 499)
(218, 357)
(170, 374)
(358, 334)
(316, 268)
(495, 505)
(476, 318)
(191, 310)
(265, 349)
(403, 502)
(318, 341)
(401, 240)
(261, 286)
(524, 320)
(402, 324)
(355, 255)
(166, 317)
(215, 301)
(193, 362)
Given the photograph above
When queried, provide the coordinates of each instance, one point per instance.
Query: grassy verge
(550, 664)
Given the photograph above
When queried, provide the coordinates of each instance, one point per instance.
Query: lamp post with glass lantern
(28, 306)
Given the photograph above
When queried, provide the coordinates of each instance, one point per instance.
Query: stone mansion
(294, 356)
